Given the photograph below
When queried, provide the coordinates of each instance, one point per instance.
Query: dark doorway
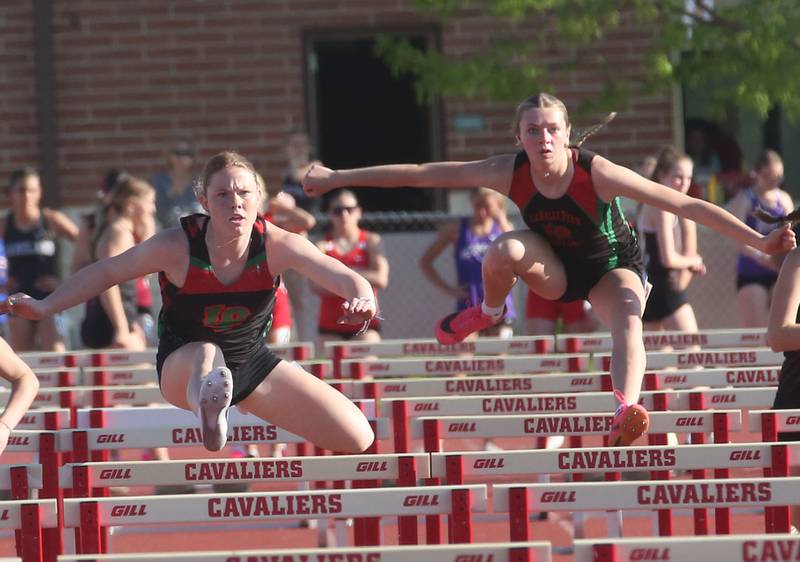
(362, 115)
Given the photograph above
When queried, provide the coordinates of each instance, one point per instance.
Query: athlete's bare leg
(526, 255)
(329, 419)
(618, 299)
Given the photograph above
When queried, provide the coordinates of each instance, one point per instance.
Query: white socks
(493, 312)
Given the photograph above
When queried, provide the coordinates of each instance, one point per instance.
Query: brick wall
(131, 76)
(18, 141)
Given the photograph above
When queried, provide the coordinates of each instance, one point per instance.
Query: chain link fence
(411, 305)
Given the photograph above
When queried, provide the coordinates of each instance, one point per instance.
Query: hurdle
(586, 402)
(44, 445)
(452, 365)
(295, 351)
(338, 351)
(104, 429)
(518, 500)
(49, 377)
(653, 341)
(365, 471)
(725, 357)
(535, 383)
(458, 502)
(434, 429)
(739, 548)
(28, 519)
(476, 552)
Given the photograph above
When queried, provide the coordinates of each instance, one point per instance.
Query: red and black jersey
(579, 226)
(236, 317)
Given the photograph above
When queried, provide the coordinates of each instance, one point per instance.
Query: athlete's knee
(358, 437)
(505, 250)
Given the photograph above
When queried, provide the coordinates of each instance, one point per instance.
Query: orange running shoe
(630, 422)
(453, 328)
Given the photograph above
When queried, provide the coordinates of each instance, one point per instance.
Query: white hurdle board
(787, 420)
(450, 365)
(35, 419)
(598, 496)
(535, 383)
(706, 339)
(475, 552)
(34, 475)
(10, 513)
(483, 464)
(214, 471)
(716, 398)
(546, 425)
(410, 347)
(730, 548)
(314, 504)
(735, 357)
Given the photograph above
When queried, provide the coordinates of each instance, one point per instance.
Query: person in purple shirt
(757, 272)
(471, 238)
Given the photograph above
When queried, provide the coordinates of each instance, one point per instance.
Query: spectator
(282, 211)
(665, 255)
(110, 319)
(174, 194)
(471, 238)
(82, 254)
(756, 272)
(30, 232)
(299, 160)
(361, 251)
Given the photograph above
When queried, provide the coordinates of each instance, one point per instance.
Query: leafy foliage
(745, 52)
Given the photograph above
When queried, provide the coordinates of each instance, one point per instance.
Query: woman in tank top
(218, 273)
(666, 252)
(578, 244)
(757, 272)
(471, 237)
(110, 320)
(358, 249)
(30, 233)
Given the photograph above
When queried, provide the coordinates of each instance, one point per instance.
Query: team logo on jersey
(221, 318)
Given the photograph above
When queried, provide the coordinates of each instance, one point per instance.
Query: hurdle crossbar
(483, 464)
(706, 339)
(736, 548)
(519, 499)
(545, 425)
(735, 357)
(478, 364)
(458, 501)
(476, 552)
(220, 471)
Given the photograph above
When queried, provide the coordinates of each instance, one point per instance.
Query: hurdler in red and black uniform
(590, 237)
(235, 317)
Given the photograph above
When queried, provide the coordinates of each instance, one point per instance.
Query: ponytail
(791, 218)
(594, 129)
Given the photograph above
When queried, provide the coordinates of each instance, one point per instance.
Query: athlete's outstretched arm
(160, 252)
(783, 331)
(494, 172)
(611, 180)
(287, 250)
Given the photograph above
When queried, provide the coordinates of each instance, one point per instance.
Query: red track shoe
(630, 422)
(453, 328)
